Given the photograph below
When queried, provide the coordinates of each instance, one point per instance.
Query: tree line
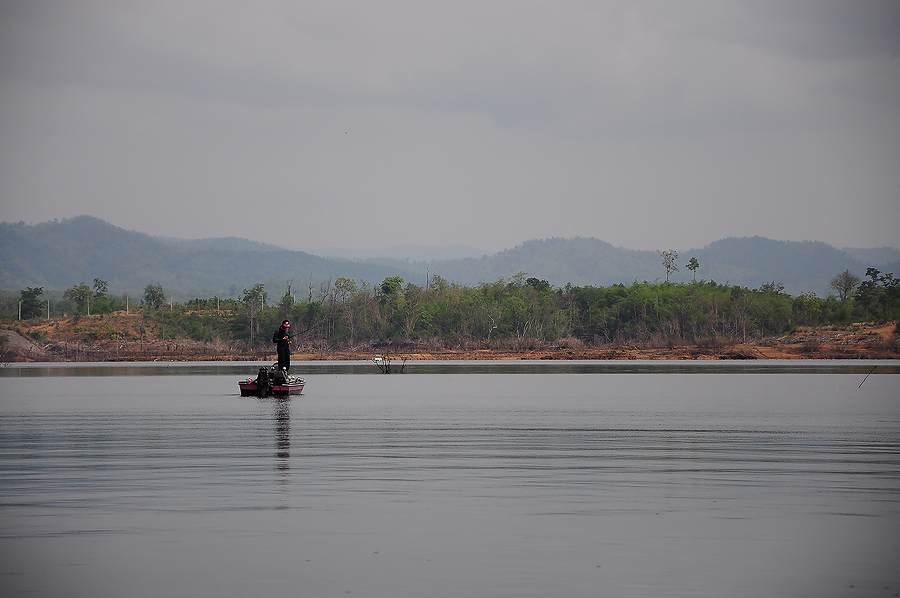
(522, 311)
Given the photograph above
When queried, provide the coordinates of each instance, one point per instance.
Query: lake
(453, 479)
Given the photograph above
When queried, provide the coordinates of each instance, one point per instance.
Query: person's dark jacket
(282, 336)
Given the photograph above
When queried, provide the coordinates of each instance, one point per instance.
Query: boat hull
(271, 381)
(251, 389)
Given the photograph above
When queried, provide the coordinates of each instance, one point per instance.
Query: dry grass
(86, 340)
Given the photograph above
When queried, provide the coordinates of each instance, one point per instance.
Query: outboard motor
(263, 383)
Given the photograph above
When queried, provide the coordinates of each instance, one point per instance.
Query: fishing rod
(293, 334)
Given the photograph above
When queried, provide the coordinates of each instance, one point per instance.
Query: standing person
(282, 339)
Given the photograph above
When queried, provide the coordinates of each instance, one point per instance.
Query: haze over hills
(221, 243)
(878, 256)
(414, 253)
(58, 255)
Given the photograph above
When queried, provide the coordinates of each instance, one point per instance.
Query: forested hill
(751, 261)
(58, 255)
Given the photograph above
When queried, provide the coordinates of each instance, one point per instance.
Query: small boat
(271, 381)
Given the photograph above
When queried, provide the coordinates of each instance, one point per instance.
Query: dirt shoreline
(858, 341)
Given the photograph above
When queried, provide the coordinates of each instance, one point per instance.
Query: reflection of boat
(271, 381)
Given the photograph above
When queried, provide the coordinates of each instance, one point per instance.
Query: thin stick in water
(867, 376)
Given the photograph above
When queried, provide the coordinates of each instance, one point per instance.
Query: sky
(647, 124)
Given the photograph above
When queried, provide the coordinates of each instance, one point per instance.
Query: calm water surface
(464, 480)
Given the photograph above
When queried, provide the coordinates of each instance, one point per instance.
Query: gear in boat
(271, 380)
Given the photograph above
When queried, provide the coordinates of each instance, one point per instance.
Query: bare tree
(668, 260)
(287, 301)
(255, 299)
(844, 284)
(344, 290)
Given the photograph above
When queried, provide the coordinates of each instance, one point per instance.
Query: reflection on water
(282, 431)
(452, 484)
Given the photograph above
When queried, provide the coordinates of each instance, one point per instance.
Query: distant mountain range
(58, 255)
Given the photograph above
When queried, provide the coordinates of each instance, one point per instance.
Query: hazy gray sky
(650, 125)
